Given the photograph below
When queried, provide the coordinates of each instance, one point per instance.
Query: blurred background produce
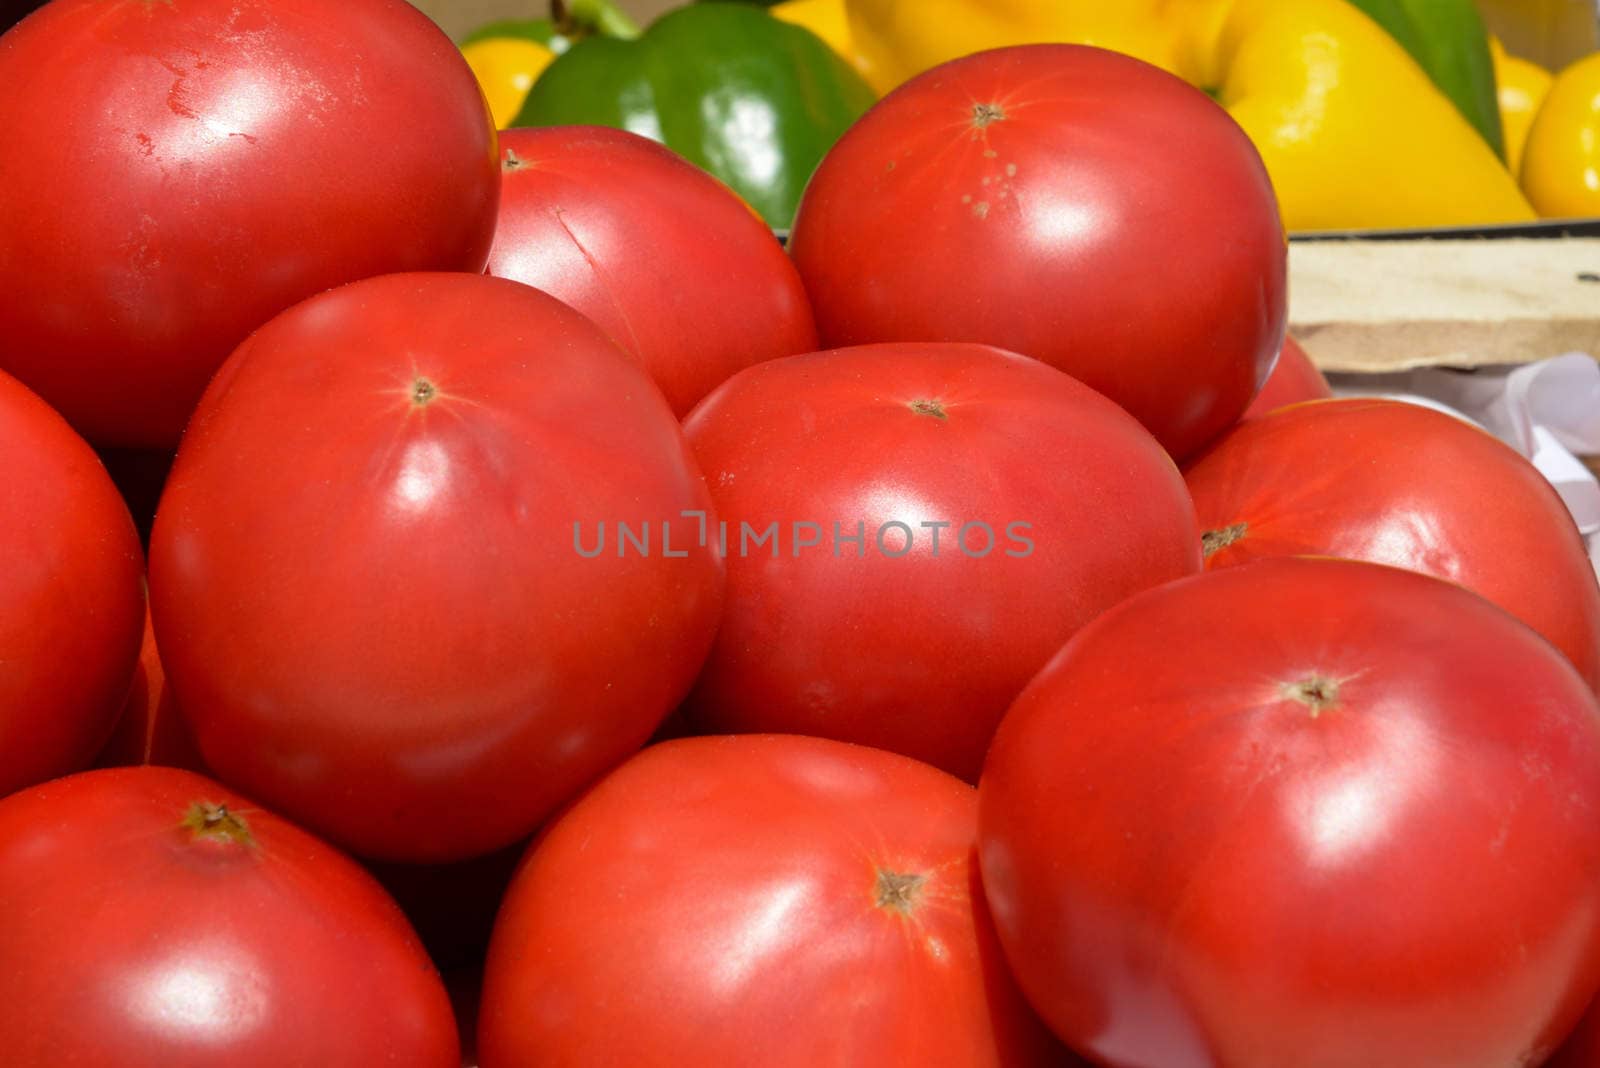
(1561, 160)
(1370, 114)
(1448, 39)
(753, 99)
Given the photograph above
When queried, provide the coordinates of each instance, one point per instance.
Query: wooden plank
(1372, 306)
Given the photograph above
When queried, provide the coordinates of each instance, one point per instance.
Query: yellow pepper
(1353, 132)
(903, 38)
(827, 19)
(1561, 161)
(1522, 85)
(506, 68)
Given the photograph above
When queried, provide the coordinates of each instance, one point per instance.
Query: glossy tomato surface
(996, 505)
(1306, 812)
(150, 917)
(781, 901)
(1399, 484)
(71, 595)
(373, 573)
(669, 261)
(1068, 203)
(1294, 378)
(176, 173)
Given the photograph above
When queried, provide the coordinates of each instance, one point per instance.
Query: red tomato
(670, 262)
(1068, 203)
(1049, 504)
(176, 173)
(71, 595)
(1307, 812)
(150, 730)
(151, 917)
(1294, 379)
(755, 900)
(366, 577)
(1399, 484)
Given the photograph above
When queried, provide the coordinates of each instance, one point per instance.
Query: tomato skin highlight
(128, 936)
(759, 899)
(365, 571)
(177, 172)
(1068, 203)
(71, 595)
(1346, 817)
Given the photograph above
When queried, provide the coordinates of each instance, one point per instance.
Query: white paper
(1548, 411)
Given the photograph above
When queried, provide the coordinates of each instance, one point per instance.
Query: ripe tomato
(1293, 379)
(755, 900)
(365, 572)
(996, 505)
(1065, 202)
(1306, 812)
(150, 730)
(71, 595)
(176, 173)
(679, 271)
(151, 917)
(1399, 484)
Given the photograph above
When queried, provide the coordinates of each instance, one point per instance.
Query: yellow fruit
(903, 38)
(1522, 85)
(506, 68)
(1561, 160)
(1352, 131)
(827, 19)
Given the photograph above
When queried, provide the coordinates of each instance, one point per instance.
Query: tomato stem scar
(208, 820)
(1316, 692)
(898, 891)
(984, 114)
(1213, 540)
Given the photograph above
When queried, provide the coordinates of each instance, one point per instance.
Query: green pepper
(751, 99)
(1448, 39)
